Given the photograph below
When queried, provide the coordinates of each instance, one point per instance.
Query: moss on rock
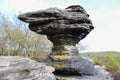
(59, 66)
(59, 58)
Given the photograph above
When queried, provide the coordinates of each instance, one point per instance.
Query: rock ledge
(20, 68)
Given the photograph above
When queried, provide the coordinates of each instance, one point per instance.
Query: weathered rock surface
(64, 28)
(20, 68)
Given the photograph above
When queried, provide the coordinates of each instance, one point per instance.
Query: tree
(16, 39)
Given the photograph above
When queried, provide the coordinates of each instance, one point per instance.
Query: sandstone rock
(20, 68)
(65, 28)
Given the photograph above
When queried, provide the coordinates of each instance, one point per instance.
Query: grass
(109, 59)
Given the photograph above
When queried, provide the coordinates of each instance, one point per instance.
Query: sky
(105, 15)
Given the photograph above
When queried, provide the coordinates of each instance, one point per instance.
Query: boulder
(61, 26)
(20, 68)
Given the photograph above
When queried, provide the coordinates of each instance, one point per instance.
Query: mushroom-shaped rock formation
(65, 28)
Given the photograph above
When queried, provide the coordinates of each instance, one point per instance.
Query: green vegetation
(17, 40)
(109, 59)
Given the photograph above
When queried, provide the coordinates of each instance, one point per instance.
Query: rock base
(69, 62)
(101, 74)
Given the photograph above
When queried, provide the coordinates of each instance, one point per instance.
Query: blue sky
(105, 15)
